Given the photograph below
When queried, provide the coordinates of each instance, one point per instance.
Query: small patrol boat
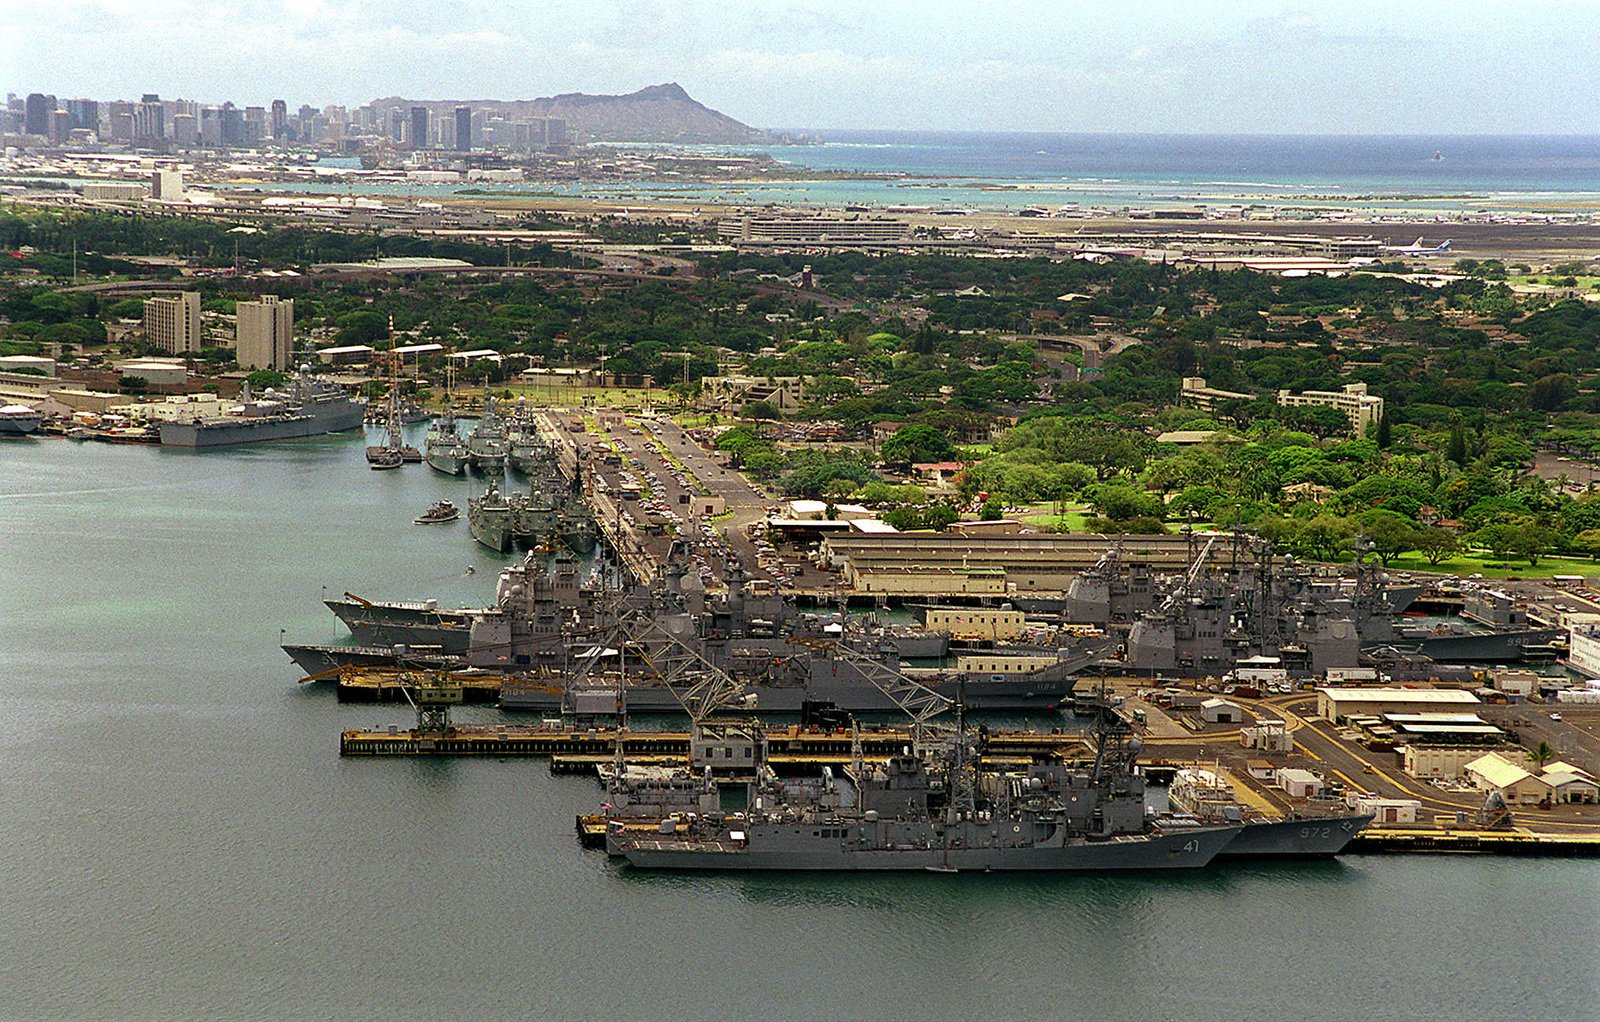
(440, 511)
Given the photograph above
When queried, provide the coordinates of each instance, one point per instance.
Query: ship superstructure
(307, 406)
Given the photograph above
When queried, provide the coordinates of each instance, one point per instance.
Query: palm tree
(1542, 754)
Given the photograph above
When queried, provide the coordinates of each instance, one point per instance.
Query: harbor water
(182, 841)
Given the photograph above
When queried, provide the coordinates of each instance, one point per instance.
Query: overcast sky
(1339, 66)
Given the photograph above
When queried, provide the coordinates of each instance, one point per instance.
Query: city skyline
(1254, 67)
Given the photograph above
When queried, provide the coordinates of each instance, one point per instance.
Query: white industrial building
(1221, 711)
(114, 191)
(1338, 703)
(345, 354)
(32, 364)
(1583, 648)
(1267, 736)
(1386, 810)
(155, 372)
(1298, 783)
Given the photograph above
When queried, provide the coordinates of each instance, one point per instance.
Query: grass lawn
(544, 395)
(1489, 567)
(1585, 281)
(1075, 519)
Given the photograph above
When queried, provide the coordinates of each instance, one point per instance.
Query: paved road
(651, 521)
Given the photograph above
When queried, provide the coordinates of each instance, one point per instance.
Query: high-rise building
(419, 127)
(232, 124)
(150, 119)
(60, 126)
(172, 322)
(265, 333)
(210, 130)
(280, 118)
(185, 131)
(256, 127)
(463, 129)
(37, 110)
(85, 113)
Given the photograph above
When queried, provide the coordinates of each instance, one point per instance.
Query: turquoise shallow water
(181, 840)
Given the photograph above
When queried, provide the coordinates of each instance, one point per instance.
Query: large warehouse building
(1338, 703)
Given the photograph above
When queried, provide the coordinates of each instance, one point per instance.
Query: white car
(1555, 716)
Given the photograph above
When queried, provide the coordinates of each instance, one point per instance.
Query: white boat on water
(18, 420)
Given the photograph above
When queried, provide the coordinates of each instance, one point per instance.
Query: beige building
(114, 190)
(1194, 393)
(172, 322)
(1362, 409)
(975, 622)
(729, 394)
(1518, 786)
(167, 185)
(812, 229)
(155, 372)
(1337, 703)
(1438, 762)
(1004, 664)
(266, 333)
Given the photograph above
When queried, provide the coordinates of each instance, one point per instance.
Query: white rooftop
(1410, 695)
(1497, 770)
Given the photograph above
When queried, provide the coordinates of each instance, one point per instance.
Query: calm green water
(180, 840)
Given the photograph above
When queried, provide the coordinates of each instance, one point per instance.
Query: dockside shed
(1338, 703)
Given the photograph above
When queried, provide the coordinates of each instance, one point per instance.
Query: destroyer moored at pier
(309, 406)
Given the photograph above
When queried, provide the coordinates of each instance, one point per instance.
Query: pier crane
(431, 694)
(921, 704)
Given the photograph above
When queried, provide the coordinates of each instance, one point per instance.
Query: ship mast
(393, 440)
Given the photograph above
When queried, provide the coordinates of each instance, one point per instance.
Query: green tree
(1500, 539)
(261, 379)
(1456, 450)
(1325, 535)
(761, 411)
(1533, 540)
(1120, 503)
(1589, 542)
(1437, 544)
(1550, 393)
(917, 443)
(1391, 534)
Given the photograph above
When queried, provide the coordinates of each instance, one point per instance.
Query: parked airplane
(1417, 248)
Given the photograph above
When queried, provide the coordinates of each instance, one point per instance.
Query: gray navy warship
(554, 626)
(934, 811)
(308, 406)
(1306, 834)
